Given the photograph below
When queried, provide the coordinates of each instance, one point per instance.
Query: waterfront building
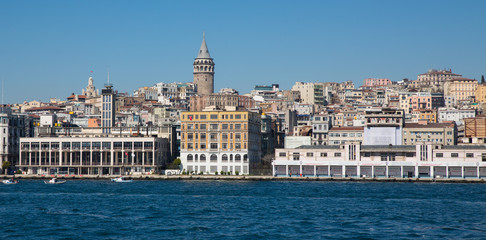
(12, 128)
(215, 141)
(382, 161)
(92, 155)
(204, 70)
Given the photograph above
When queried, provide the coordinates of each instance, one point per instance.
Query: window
(213, 158)
(189, 136)
(189, 146)
(324, 154)
(296, 156)
(225, 126)
(309, 154)
(454, 155)
(224, 157)
(237, 158)
(214, 116)
(282, 154)
(469, 155)
(237, 116)
(214, 126)
(439, 155)
(203, 136)
(202, 126)
(337, 154)
(202, 157)
(214, 146)
(238, 126)
(203, 145)
(203, 116)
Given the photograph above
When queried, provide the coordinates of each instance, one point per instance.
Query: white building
(386, 161)
(93, 155)
(456, 115)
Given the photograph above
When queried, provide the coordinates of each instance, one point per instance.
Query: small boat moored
(10, 181)
(121, 179)
(55, 181)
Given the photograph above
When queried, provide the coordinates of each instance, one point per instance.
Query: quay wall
(248, 178)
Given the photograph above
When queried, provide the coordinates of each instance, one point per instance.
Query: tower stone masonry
(204, 71)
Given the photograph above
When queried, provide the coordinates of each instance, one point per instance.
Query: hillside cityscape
(432, 126)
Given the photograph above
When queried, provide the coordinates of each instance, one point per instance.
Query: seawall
(246, 178)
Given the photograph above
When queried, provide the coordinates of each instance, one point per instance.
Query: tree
(175, 164)
(6, 165)
(482, 78)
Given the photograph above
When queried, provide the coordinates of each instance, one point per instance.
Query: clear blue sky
(48, 48)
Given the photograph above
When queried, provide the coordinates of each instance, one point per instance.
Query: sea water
(100, 209)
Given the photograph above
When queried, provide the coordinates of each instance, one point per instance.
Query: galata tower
(204, 71)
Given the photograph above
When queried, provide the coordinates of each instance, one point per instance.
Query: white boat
(10, 181)
(55, 181)
(121, 179)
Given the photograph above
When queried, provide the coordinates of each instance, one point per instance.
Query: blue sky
(48, 48)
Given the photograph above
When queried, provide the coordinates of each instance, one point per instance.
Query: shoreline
(247, 178)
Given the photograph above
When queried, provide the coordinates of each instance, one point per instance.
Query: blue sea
(100, 209)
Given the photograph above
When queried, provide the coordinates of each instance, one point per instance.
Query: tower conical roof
(203, 51)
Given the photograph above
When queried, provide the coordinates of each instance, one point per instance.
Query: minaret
(204, 70)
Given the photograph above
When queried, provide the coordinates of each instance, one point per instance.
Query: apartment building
(215, 141)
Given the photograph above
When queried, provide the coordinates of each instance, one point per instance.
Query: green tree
(175, 164)
(6, 165)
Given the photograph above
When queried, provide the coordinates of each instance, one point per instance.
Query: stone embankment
(245, 178)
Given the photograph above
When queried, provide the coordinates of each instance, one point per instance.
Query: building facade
(215, 141)
(92, 155)
(382, 161)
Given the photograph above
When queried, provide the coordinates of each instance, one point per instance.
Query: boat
(55, 181)
(121, 179)
(10, 181)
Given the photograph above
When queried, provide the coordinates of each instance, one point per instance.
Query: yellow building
(429, 115)
(481, 93)
(220, 141)
(461, 88)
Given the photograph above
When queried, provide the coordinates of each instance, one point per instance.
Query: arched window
(213, 157)
(202, 157)
(237, 157)
(245, 157)
(196, 157)
(189, 157)
(224, 157)
(205, 68)
(231, 157)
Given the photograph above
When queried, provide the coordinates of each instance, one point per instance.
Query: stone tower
(204, 71)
